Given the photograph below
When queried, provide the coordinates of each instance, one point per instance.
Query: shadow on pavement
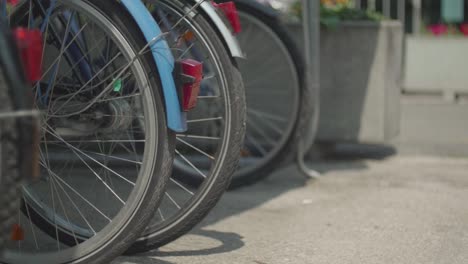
(227, 242)
(220, 242)
(140, 260)
(344, 157)
(350, 152)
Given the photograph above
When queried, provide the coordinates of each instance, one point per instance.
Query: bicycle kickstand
(308, 172)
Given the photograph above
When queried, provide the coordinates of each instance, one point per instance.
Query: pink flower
(438, 29)
(464, 29)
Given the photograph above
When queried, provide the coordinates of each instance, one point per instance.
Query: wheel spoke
(266, 115)
(62, 52)
(205, 119)
(272, 125)
(195, 148)
(84, 154)
(191, 164)
(181, 186)
(89, 82)
(113, 157)
(173, 201)
(261, 132)
(64, 210)
(94, 141)
(256, 145)
(209, 97)
(198, 137)
(59, 180)
(161, 214)
(74, 205)
(28, 214)
(99, 177)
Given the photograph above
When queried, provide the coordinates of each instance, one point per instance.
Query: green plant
(332, 15)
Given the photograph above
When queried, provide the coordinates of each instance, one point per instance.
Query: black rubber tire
(14, 152)
(120, 241)
(10, 178)
(10, 160)
(308, 102)
(214, 187)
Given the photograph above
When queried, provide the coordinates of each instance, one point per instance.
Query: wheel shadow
(227, 242)
(139, 260)
(218, 242)
(242, 200)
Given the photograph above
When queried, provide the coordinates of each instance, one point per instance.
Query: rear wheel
(276, 96)
(99, 184)
(207, 154)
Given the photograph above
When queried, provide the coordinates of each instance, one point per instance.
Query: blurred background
(394, 72)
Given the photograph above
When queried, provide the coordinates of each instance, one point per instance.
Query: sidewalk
(433, 126)
(400, 209)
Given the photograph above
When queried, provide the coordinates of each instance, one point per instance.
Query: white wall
(436, 64)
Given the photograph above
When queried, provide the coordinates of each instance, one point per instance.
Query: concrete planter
(360, 81)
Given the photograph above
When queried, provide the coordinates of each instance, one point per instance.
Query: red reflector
(17, 233)
(30, 47)
(230, 11)
(193, 71)
(12, 2)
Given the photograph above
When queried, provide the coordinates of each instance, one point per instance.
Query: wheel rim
(104, 183)
(275, 117)
(203, 163)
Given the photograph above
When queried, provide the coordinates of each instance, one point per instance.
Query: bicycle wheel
(98, 184)
(15, 120)
(207, 154)
(276, 95)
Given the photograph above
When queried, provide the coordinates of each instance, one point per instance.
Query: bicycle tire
(10, 177)
(217, 180)
(307, 102)
(125, 227)
(12, 162)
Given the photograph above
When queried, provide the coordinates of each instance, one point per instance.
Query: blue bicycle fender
(176, 119)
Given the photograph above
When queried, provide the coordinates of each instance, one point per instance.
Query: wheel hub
(106, 118)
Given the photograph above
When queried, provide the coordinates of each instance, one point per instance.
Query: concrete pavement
(430, 125)
(395, 209)
(403, 203)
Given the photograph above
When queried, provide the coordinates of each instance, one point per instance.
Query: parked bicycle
(101, 107)
(208, 153)
(278, 101)
(115, 89)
